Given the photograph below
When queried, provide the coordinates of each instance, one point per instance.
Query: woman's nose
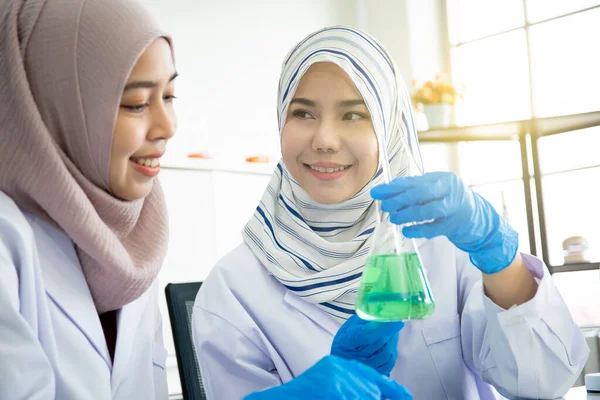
(327, 138)
(164, 123)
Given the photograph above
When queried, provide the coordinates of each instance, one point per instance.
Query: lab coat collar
(71, 295)
(310, 310)
(128, 322)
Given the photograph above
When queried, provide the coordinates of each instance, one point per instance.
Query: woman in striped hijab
(312, 228)
(274, 306)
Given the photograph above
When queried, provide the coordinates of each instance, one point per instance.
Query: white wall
(428, 38)
(387, 21)
(229, 54)
(412, 31)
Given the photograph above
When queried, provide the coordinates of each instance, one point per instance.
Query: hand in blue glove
(458, 213)
(335, 378)
(372, 343)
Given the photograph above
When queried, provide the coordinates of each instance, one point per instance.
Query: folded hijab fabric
(63, 67)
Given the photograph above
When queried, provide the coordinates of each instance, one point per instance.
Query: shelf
(585, 266)
(220, 166)
(566, 123)
(500, 131)
(513, 129)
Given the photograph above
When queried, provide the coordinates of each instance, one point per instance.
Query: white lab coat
(251, 333)
(52, 345)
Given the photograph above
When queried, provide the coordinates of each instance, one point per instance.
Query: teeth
(329, 170)
(148, 162)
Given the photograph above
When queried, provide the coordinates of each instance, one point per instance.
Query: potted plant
(437, 98)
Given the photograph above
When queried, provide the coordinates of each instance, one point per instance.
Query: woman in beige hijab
(86, 90)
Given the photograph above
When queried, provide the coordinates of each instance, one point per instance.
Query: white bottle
(592, 382)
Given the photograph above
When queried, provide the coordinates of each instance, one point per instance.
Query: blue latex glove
(458, 213)
(335, 378)
(372, 343)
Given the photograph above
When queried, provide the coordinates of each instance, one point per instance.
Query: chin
(141, 193)
(132, 193)
(328, 198)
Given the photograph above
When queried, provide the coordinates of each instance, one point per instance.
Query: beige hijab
(63, 66)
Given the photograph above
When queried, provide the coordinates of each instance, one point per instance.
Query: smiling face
(145, 122)
(328, 142)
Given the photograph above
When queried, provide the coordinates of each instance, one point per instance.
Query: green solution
(394, 287)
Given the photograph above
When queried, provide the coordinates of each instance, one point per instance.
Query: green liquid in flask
(393, 288)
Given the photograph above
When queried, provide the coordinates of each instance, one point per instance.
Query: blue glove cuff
(499, 251)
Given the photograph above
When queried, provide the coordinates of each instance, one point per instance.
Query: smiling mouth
(328, 169)
(147, 162)
(327, 173)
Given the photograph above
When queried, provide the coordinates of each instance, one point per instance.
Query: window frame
(527, 133)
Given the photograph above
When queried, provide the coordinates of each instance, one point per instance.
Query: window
(436, 157)
(483, 66)
(523, 59)
(493, 169)
(570, 168)
(519, 58)
(564, 64)
(535, 62)
(539, 10)
(472, 19)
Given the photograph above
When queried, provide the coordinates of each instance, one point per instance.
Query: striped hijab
(318, 251)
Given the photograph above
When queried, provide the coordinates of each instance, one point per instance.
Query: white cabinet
(208, 208)
(236, 197)
(190, 204)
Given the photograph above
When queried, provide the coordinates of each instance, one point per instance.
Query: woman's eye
(354, 116)
(135, 108)
(169, 98)
(301, 114)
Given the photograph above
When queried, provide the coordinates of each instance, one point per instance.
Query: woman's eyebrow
(351, 103)
(303, 101)
(145, 84)
(341, 104)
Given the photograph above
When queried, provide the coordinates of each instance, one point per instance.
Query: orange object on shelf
(199, 155)
(258, 159)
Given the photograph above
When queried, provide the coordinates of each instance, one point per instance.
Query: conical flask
(394, 285)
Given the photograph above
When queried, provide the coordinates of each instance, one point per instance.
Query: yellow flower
(447, 98)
